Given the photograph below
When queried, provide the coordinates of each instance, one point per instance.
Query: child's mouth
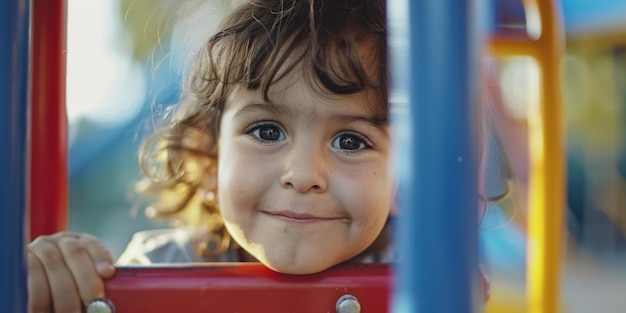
(295, 217)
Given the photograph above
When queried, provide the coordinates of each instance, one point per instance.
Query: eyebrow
(266, 107)
(273, 108)
(380, 123)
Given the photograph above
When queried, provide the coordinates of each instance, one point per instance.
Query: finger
(80, 264)
(61, 283)
(39, 300)
(101, 256)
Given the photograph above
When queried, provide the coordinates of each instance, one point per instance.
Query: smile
(303, 218)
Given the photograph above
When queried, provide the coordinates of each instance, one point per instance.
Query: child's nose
(305, 170)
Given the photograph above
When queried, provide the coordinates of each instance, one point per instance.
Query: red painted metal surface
(246, 287)
(48, 124)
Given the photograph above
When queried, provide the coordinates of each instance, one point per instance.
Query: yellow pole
(546, 148)
(547, 177)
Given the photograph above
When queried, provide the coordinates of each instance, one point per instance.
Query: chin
(301, 264)
(298, 269)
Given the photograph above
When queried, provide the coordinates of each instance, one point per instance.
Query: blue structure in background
(14, 21)
(593, 15)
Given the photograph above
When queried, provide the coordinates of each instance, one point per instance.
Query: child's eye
(350, 142)
(266, 132)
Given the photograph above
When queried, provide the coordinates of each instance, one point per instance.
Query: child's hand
(65, 271)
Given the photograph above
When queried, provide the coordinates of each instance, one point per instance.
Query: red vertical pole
(48, 124)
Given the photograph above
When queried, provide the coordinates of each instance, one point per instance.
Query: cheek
(375, 211)
(229, 182)
(241, 184)
(371, 198)
(230, 185)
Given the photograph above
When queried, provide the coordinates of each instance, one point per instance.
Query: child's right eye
(266, 132)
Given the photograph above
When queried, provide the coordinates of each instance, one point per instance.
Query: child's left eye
(350, 142)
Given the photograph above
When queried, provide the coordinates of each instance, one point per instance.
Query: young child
(281, 143)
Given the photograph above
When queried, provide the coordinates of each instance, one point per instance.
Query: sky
(103, 83)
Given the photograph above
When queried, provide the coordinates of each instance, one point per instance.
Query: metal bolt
(101, 306)
(348, 304)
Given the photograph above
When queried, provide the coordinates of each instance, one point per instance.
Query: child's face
(304, 181)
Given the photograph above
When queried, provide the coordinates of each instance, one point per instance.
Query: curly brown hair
(255, 46)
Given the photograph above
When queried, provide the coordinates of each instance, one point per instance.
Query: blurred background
(126, 59)
(125, 62)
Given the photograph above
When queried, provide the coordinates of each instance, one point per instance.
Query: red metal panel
(246, 287)
(48, 149)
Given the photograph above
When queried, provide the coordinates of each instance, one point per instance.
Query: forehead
(300, 80)
(296, 92)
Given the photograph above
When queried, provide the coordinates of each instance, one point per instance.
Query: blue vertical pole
(433, 97)
(14, 21)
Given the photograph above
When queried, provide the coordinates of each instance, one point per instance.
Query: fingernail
(104, 268)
